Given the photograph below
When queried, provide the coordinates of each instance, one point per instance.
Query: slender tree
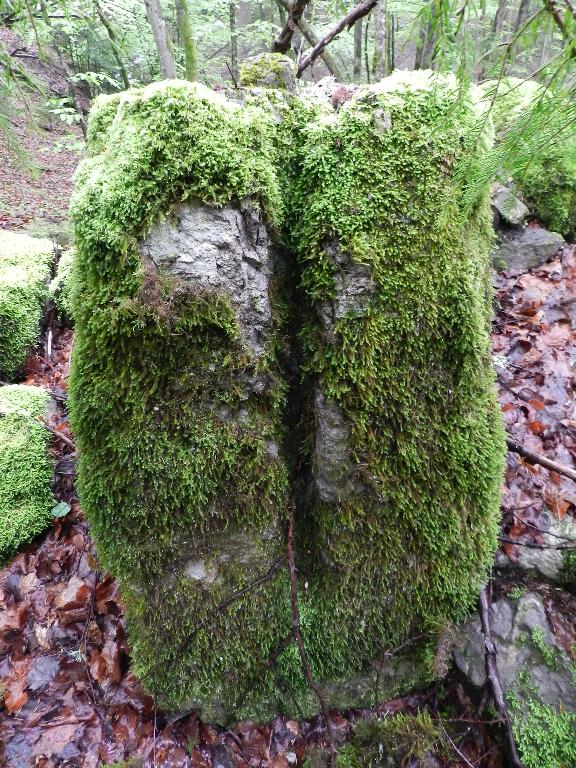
(187, 39)
(113, 42)
(161, 39)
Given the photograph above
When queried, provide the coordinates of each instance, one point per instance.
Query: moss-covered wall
(189, 431)
(25, 468)
(548, 182)
(24, 273)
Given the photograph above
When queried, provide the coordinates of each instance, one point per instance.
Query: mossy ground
(161, 476)
(24, 273)
(25, 469)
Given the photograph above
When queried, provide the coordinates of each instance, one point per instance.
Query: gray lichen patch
(220, 249)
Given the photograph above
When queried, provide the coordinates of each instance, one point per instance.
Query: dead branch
(535, 545)
(536, 458)
(282, 42)
(348, 21)
(298, 636)
(493, 678)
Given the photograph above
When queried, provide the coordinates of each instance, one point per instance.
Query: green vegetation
(401, 738)
(24, 274)
(25, 468)
(410, 370)
(547, 183)
(546, 737)
(61, 287)
(167, 482)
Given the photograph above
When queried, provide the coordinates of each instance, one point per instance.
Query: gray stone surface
(220, 249)
(353, 284)
(520, 250)
(510, 209)
(273, 70)
(512, 623)
(548, 563)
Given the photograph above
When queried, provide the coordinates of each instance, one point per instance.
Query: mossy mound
(62, 285)
(548, 182)
(25, 468)
(183, 409)
(24, 273)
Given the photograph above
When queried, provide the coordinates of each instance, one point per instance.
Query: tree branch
(536, 458)
(348, 21)
(282, 42)
(492, 677)
(298, 635)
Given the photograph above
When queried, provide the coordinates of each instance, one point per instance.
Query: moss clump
(24, 274)
(176, 469)
(62, 285)
(398, 740)
(545, 736)
(269, 70)
(548, 182)
(25, 468)
(407, 544)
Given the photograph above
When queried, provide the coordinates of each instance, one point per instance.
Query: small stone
(510, 208)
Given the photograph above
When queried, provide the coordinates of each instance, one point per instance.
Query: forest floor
(69, 697)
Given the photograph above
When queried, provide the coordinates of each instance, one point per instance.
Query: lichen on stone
(24, 273)
(25, 468)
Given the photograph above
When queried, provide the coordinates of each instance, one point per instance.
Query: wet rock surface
(509, 208)
(520, 250)
(220, 249)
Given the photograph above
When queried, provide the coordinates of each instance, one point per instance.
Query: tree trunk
(113, 42)
(379, 65)
(312, 38)
(358, 51)
(233, 41)
(161, 39)
(390, 63)
(523, 13)
(366, 52)
(187, 38)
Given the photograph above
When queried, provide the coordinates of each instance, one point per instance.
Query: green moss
(165, 481)
(62, 285)
(25, 468)
(398, 740)
(102, 114)
(568, 573)
(548, 182)
(545, 736)
(272, 70)
(410, 371)
(24, 273)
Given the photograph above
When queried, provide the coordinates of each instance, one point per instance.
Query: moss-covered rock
(269, 70)
(24, 273)
(25, 468)
(62, 285)
(548, 182)
(189, 407)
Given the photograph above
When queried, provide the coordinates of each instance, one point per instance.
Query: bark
(359, 11)
(358, 51)
(161, 39)
(523, 13)
(499, 16)
(379, 65)
(233, 42)
(187, 39)
(113, 42)
(390, 52)
(366, 52)
(312, 38)
(295, 12)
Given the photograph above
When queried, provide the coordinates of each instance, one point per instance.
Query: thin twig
(536, 458)
(348, 21)
(492, 676)
(298, 635)
(535, 545)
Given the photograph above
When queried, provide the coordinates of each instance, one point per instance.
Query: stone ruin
(282, 306)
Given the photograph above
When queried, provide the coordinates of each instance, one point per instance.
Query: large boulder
(519, 251)
(24, 274)
(26, 469)
(275, 313)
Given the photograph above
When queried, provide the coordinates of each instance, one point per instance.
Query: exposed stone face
(513, 623)
(510, 209)
(548, 563)
(353, 287)
(522, 250)
(220, 249)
